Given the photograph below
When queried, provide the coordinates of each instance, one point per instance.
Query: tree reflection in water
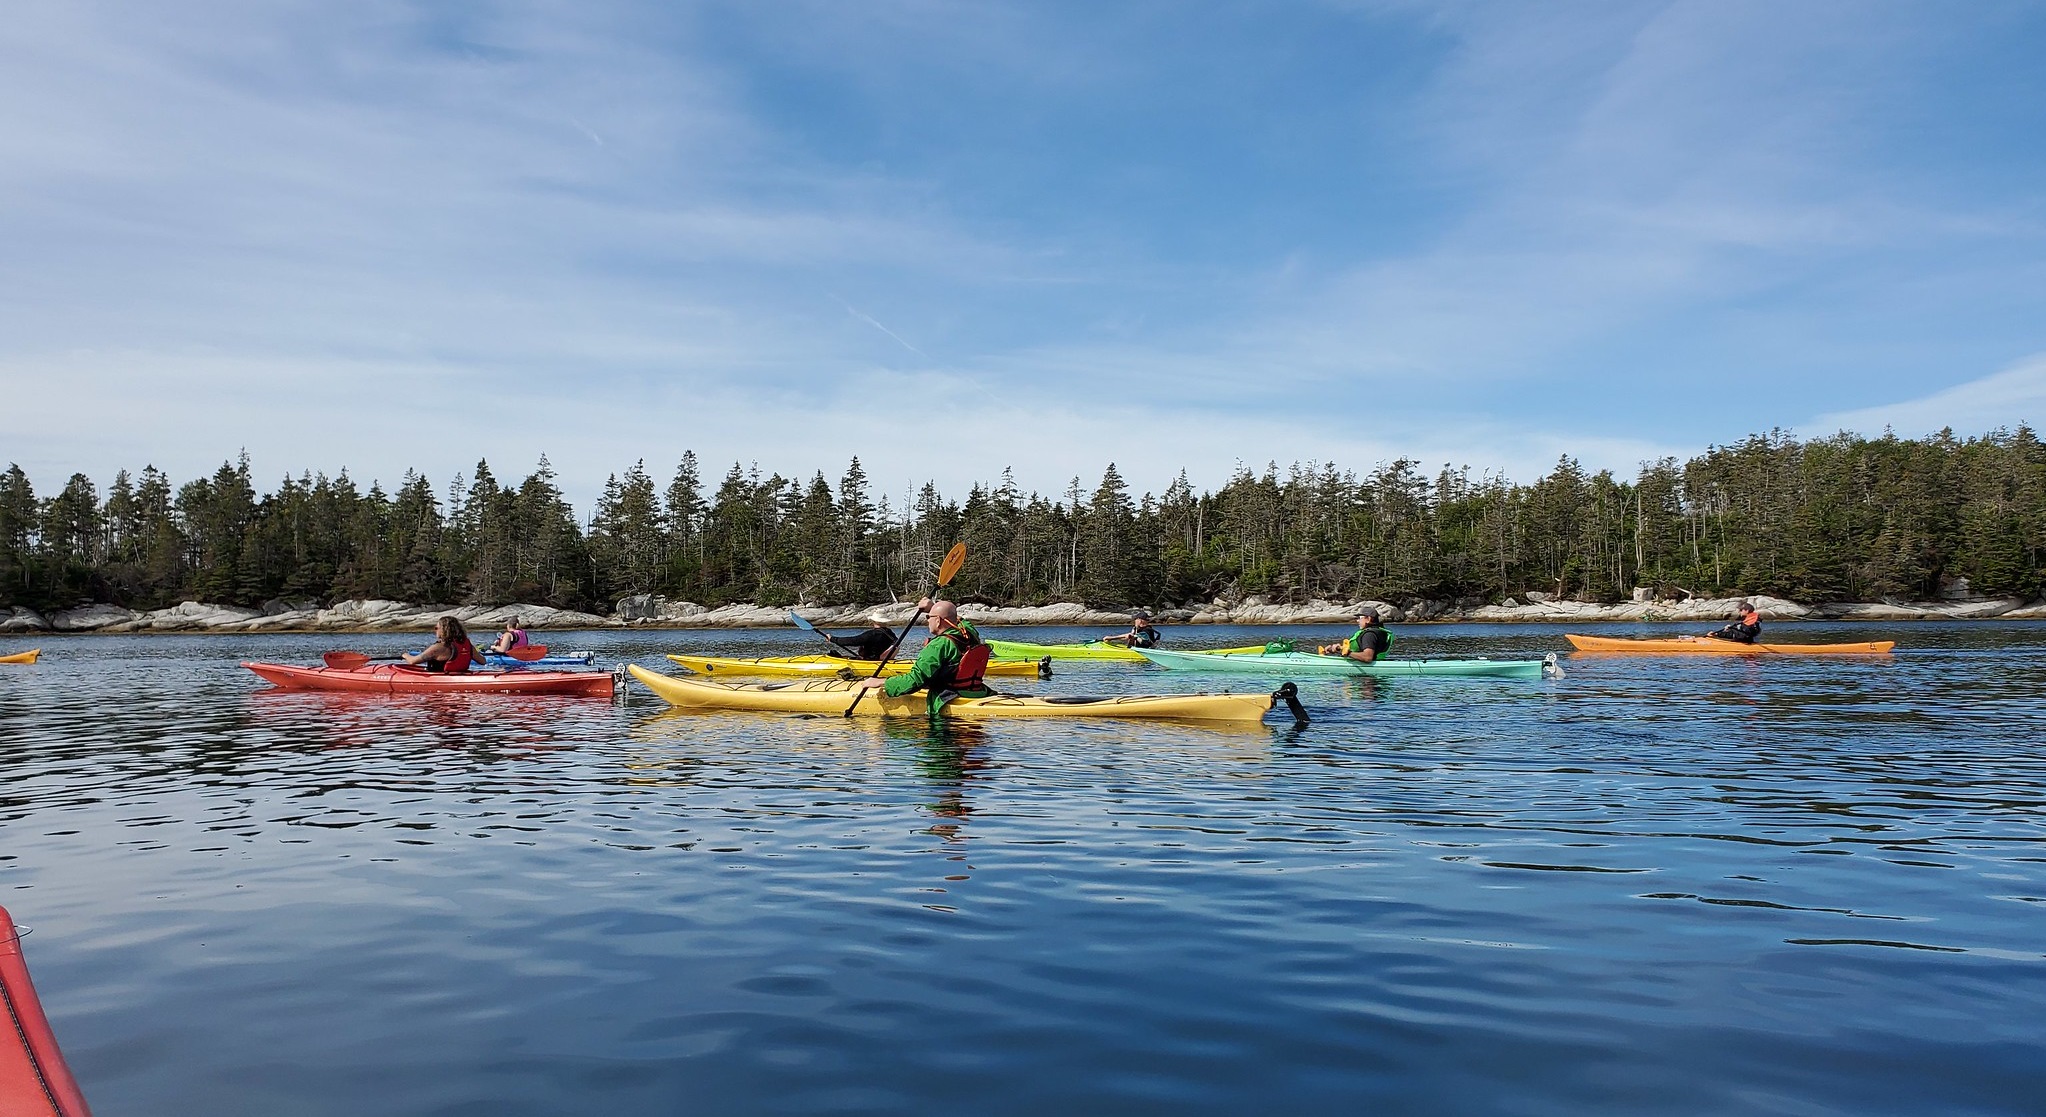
(948, 752)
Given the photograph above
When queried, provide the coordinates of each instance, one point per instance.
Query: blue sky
(951, 238)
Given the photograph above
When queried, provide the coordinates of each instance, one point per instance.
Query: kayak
(392, 678)
(1705, 645)
(579, 659)
(825, 666)
(34, 1079)
(1010, 649)
(28, 656)
(1304, 663)
(820, 696)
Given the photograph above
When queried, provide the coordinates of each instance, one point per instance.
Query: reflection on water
(947, 753)
(1737, 886)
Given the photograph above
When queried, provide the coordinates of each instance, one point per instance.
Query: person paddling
(1745, 629)
(512, 637)
(1142, 634)
(950, 664)
(1364, 645)
(450, 652)
(874, 643)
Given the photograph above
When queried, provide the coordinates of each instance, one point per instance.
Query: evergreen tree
(17, 537)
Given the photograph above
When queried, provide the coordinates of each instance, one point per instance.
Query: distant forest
(1844, 518)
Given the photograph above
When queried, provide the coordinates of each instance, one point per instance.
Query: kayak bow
(34, 1079)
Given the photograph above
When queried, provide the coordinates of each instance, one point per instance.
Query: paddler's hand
(872, 684)
(923, 604)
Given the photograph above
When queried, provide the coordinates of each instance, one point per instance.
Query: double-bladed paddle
(797, 620)
(949, 569)
(356, 661)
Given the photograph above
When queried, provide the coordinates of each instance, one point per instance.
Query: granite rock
(18, 619)
(90, 618)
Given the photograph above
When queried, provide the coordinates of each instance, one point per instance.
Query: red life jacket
(458, 664)
(970, 671)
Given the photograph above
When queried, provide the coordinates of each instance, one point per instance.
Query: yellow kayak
(828, 667)
(28, 656)
(1011, 649)
(1705, 645)
(819, 696)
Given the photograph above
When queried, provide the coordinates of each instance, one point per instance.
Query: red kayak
(395, 678)
(34, 1082)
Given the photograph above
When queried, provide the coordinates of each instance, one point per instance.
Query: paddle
(353, 661)
(954, 559)
(356, 661)
(797, 620)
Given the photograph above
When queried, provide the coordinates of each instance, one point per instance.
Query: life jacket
(458, 664)
(519, 638)
(970, 672)
(1355, 642)
(1144, 638)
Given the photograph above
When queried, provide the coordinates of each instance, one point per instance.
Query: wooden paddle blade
(527, 654)
(954, 559)
(346, 661)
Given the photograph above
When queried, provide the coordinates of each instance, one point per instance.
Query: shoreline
(306, 618)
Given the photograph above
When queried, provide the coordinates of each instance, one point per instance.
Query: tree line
(1843, 518)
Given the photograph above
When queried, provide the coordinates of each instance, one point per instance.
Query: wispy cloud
(2005, 399)
(871, 321)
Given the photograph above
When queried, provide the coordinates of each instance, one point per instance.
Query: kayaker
(1365, 645)
(874, 643)
(512, 637)
(1747, 626)
(450, 651)
(1142, 633)
(950, 664)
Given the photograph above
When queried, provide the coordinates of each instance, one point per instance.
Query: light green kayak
(1303, 663)
(1010, 649)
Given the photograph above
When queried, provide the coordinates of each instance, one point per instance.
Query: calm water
(1741, 887)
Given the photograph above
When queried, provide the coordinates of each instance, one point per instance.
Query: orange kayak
(28, 656)
(34, 1082)
(391, 678)
(1705, 645)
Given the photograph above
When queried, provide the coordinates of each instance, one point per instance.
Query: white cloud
(2003, 399)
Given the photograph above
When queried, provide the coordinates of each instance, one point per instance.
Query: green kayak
(1010, 649)
(1303, 663)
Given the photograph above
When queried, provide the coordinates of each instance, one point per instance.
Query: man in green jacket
(944, 663)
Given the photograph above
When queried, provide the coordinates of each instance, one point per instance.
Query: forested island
(1840, 519)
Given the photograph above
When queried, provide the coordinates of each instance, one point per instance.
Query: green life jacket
(1354, 642)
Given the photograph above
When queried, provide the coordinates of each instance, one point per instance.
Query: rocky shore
(659, 612)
